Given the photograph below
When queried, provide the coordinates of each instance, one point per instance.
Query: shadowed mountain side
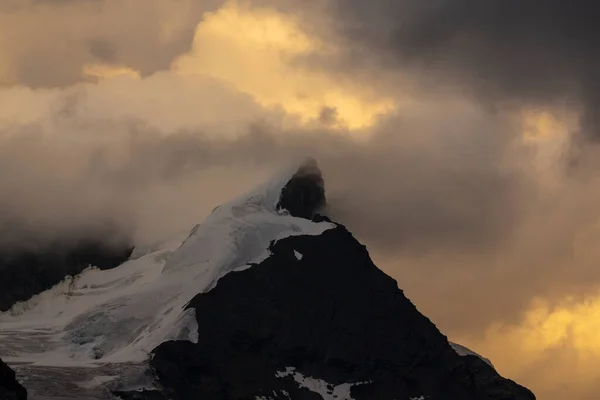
(10, 389)
(319, 305)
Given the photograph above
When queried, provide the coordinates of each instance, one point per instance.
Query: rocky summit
(267, 299)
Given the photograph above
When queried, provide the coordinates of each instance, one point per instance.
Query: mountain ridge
(309, 316)
(266, 299)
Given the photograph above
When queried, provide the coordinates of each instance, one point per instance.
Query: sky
(458, 140)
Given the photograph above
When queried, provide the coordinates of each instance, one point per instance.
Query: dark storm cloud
(102, 50)
(328, 115)
(529, 51)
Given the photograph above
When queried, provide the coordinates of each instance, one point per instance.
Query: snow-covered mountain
(265, 299)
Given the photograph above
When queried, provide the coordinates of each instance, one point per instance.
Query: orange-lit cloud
(104, 71)
(553, 347)
(545, 124)
(254, 50)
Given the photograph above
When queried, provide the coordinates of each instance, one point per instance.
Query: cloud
(267, 42)
(503, 51)
(554, 347)
(48, 43)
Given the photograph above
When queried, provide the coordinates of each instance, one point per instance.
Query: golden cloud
(254, 49)
(556, 345)
(544, 124)
(105, 71)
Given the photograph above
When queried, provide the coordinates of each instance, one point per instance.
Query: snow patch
(463, 351)
(298, 255)
(324, 389)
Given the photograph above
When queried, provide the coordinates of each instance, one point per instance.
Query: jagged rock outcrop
(304, 194)
(27, 272)
(10, 388)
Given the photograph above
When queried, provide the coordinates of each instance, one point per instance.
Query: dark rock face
(304, 194)
(330, 314)
(10, 389)
(24, 273)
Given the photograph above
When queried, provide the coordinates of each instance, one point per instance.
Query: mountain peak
(265, 299)
(318, 320)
